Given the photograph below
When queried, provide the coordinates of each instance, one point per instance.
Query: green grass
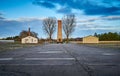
(11, 46)
(105, 45)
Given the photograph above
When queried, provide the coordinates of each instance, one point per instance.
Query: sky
(92, 16)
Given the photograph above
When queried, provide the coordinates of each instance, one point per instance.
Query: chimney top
(59, 20)
(29, 31)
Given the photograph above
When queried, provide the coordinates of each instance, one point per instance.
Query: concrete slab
(60, 60)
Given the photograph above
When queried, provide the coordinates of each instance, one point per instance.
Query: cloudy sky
(91, 15)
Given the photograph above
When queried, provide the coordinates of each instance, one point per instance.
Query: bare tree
(49, 26)
(69, 24)
(25, 33)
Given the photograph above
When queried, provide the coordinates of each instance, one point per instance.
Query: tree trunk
(67, 39)
(50, 39)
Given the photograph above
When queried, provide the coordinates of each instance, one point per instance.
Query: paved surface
(60, 60)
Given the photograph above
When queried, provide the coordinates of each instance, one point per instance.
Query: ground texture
(60, 60)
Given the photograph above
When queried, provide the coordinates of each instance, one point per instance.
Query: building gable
(29, 39)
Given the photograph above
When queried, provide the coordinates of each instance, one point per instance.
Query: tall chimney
(59, 34)
(28, 31)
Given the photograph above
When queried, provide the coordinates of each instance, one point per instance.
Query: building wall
(29, 39)
(90, 39)
(11, 41)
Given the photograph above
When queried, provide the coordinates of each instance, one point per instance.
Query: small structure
(90, 39)
(29, 39)
(7, 41)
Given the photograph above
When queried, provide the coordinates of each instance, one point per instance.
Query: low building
(90, 39)
(29, 38)
(7, 41)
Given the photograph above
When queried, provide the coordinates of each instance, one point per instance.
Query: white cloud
(110, 23)
(101, 28)
(28, 19)
(92, 19)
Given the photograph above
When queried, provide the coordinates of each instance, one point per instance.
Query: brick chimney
(59, 34)
(28, 31)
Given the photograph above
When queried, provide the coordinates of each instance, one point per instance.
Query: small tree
(49, 26)
(25, 33)
(95, 34)
(69, 24)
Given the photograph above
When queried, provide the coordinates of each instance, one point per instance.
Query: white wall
(29, 39)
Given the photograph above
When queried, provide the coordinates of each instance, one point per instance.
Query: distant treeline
(16, 38)
(23, 33)
(110, 36)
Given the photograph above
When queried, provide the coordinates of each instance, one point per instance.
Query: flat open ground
(60, 60)
(11, 46)
(105, 45)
